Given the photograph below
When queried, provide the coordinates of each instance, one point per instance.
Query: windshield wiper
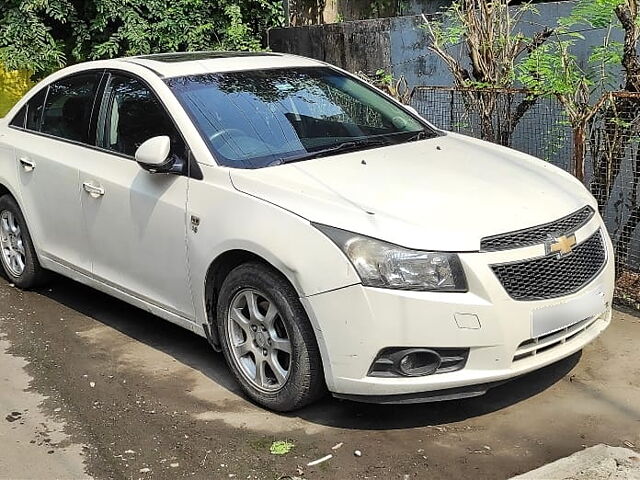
(352, 145)
(339, 148)
(422, 135)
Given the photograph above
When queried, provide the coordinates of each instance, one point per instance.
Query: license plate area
(549, 319)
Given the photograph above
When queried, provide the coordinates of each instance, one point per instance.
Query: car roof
(195, 63)
(169, 65)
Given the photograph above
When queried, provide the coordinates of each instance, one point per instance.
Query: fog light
(419, 362)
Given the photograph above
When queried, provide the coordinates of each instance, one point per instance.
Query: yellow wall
(13, 85)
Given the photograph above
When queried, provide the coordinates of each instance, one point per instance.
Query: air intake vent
(541, 344)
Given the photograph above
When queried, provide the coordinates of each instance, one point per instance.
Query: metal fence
(539, 126)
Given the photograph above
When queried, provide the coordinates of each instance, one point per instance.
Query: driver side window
(132, 114)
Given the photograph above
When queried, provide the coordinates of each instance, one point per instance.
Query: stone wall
(314, 12)
(399, 44)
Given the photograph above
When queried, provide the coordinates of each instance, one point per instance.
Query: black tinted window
(34, 110)
(132, 115)
(19, 119)
(67, 112)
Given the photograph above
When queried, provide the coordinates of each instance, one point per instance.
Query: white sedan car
(320, 234)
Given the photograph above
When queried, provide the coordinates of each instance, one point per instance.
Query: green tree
(481, 43)
(43, 35)
(604, 124)
(554, 70)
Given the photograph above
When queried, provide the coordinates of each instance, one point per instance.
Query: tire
(287, 381)
(15, 241)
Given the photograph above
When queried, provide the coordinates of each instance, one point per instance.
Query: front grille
(537, 235)
(552, 276)
(535, 346)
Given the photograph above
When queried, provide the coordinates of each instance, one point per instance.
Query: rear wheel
(267, 339)
(17, 255)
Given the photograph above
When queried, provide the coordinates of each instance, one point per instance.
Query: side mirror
(153, 155)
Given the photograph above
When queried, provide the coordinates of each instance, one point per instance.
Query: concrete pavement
(141, 398)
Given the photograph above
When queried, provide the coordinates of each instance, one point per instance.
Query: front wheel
(267, 339)
(17, 254)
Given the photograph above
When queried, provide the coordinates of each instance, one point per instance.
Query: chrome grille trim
(538, 234)
(553, 276)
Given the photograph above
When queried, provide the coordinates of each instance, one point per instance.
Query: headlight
(385, 265)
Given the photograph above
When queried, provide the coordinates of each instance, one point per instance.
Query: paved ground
(600, 462)
(123, 392)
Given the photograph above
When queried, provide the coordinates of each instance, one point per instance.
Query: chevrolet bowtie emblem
(562, 245)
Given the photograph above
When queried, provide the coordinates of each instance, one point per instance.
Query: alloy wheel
(259, 341)
(12, 247)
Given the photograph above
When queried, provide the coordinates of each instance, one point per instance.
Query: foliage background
(39, 36)
(13, 85)
(42, 35)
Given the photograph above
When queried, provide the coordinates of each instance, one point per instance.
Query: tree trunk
(618, 119)
(579, 149)
(627, 13)
(487, 106)
(512, 120)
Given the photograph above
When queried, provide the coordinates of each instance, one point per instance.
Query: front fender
(232, 220)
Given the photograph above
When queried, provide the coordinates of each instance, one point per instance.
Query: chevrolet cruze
(317, 232)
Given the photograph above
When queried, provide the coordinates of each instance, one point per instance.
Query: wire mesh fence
(539, 126)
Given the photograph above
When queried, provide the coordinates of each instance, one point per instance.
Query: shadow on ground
(195, 352)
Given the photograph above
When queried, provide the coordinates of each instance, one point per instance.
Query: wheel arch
(216, 274)
(218, 271)
(5, 190)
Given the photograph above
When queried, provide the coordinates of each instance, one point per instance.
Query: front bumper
(354, 323)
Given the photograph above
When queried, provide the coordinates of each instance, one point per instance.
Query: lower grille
(534, 346)
(552, 276)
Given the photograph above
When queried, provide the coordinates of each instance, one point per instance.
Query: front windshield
(258, 118)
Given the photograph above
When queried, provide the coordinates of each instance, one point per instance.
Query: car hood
(444, 193)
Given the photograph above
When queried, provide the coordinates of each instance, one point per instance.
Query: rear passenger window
(34, 110)
(30, 115)
(20, 118)
(67, 111)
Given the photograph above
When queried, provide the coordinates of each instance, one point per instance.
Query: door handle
(27, 165)
(94, 190)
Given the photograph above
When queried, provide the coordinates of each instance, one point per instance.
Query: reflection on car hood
(444, 193)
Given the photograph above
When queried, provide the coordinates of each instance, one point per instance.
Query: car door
(51, 142)
(136, 220)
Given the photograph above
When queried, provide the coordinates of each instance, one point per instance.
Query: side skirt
(86, 279)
